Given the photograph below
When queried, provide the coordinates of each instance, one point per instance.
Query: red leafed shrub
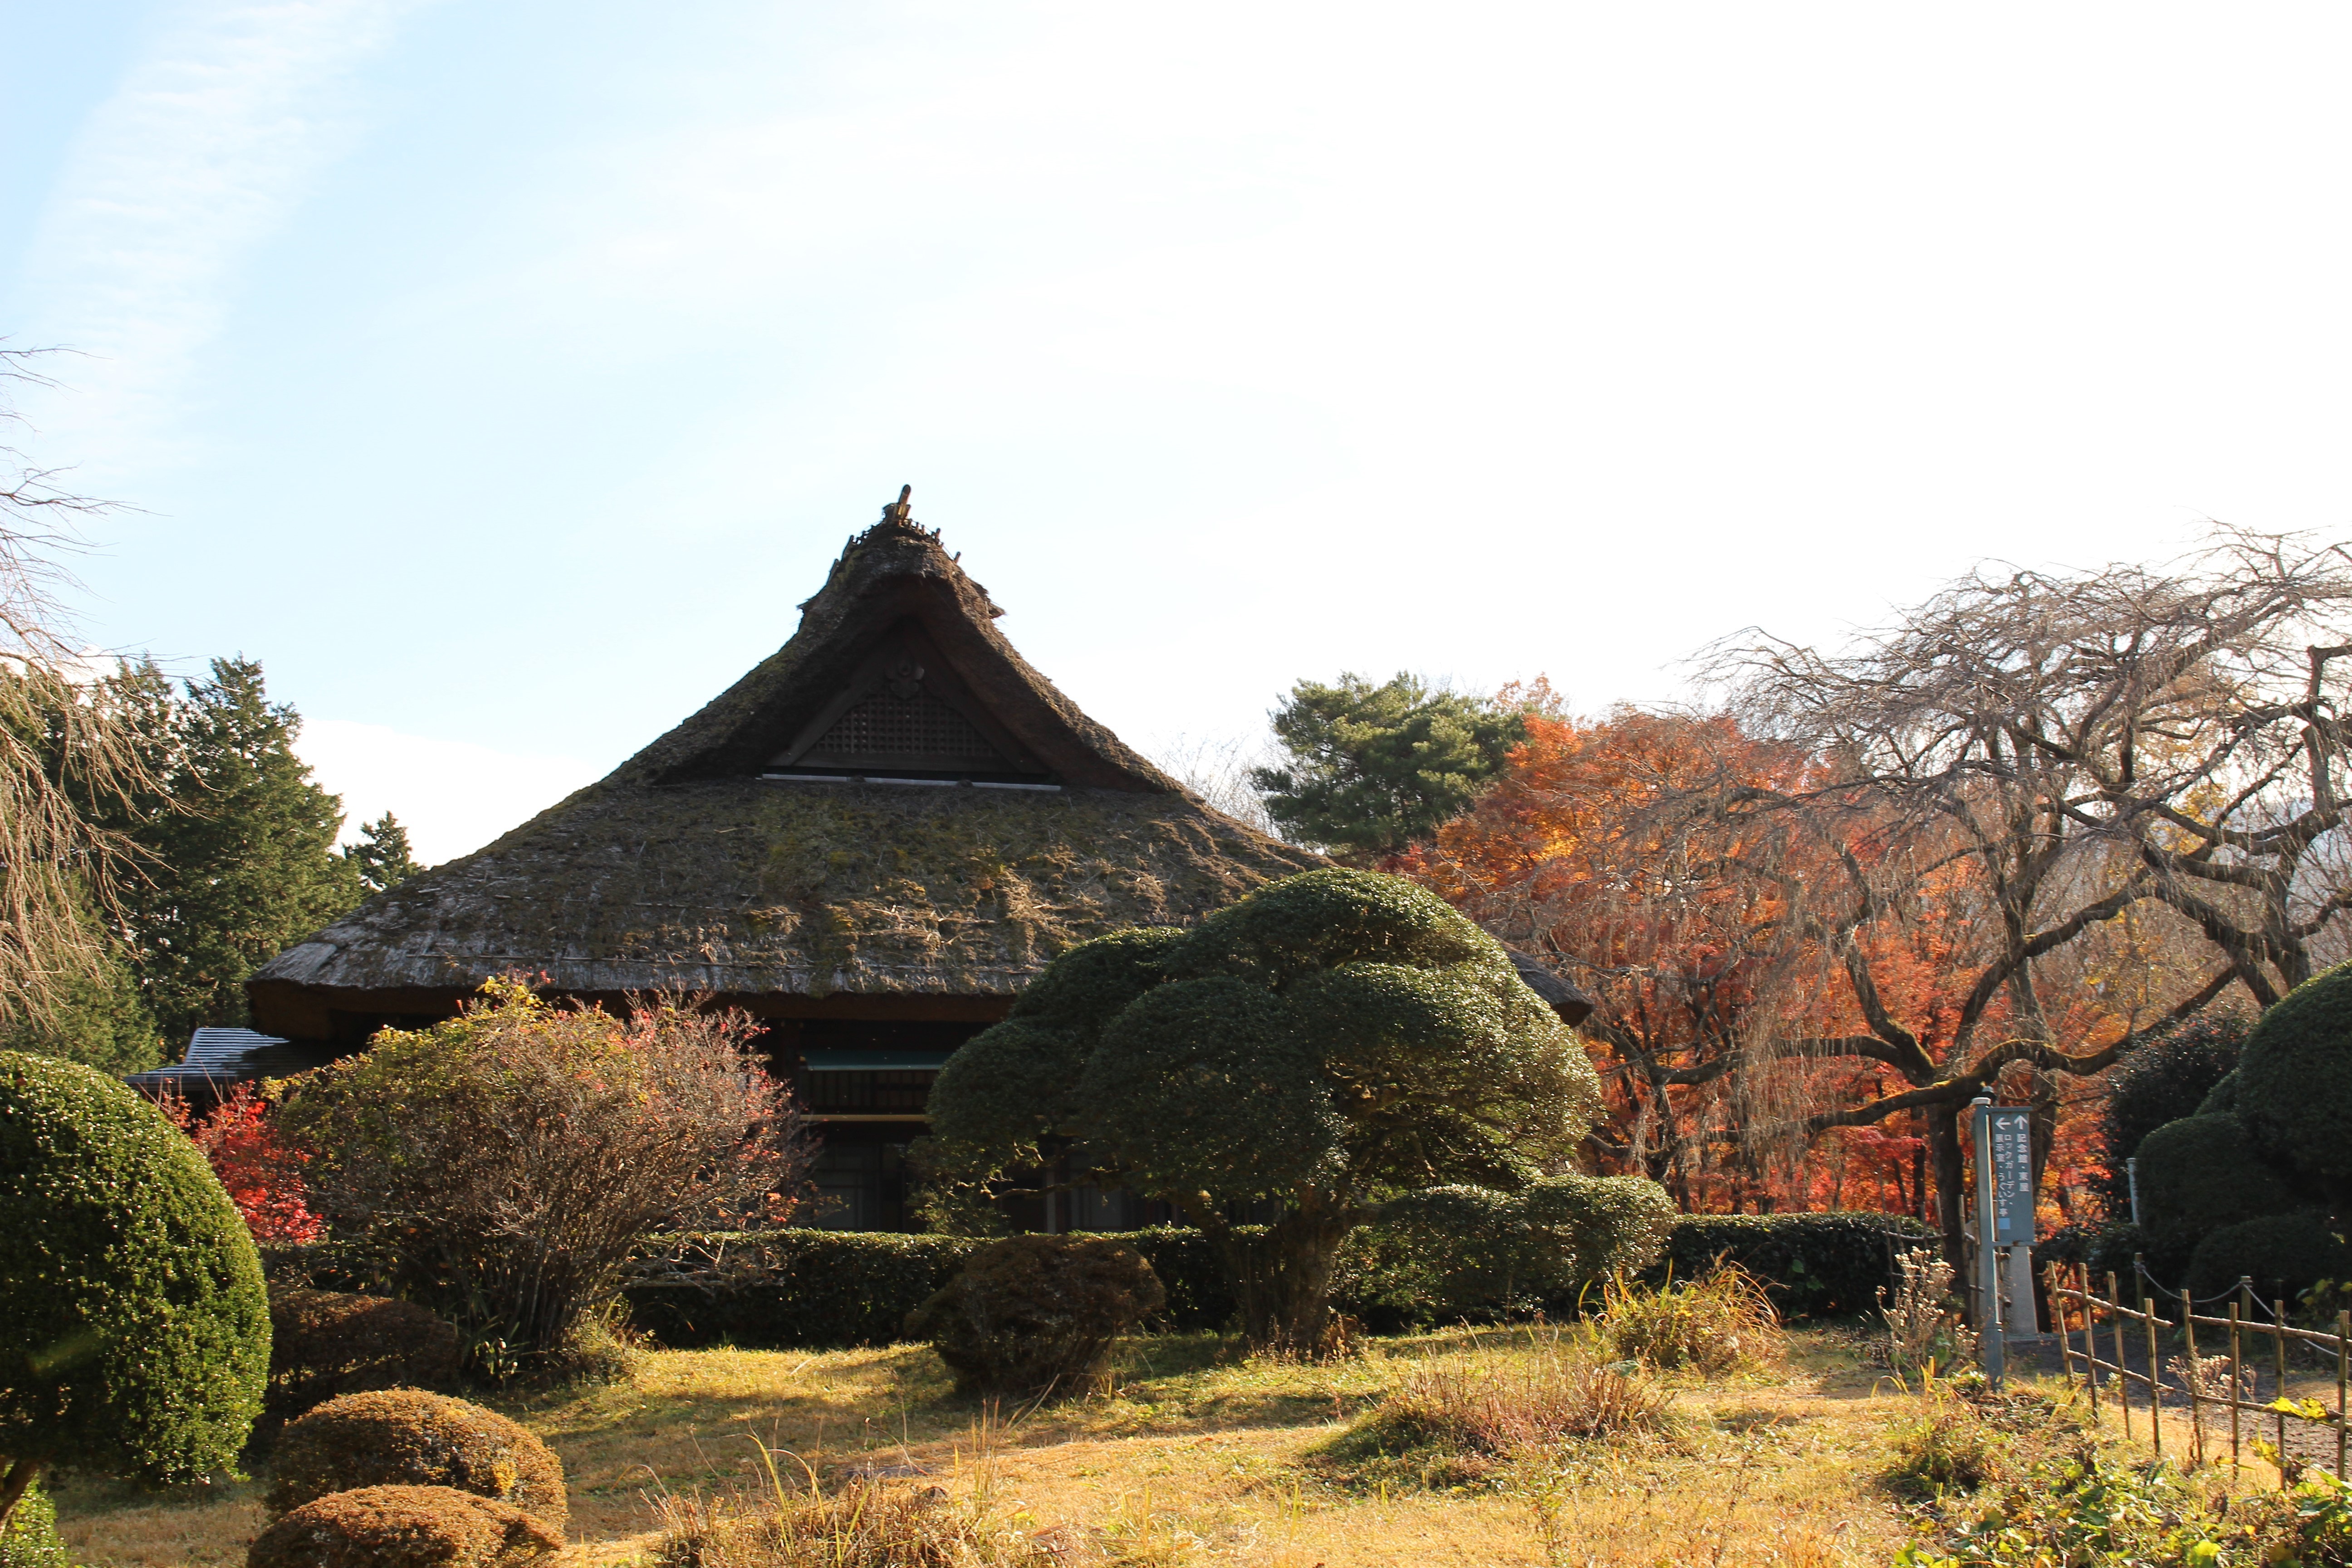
(506, 1165)
(263, 1176)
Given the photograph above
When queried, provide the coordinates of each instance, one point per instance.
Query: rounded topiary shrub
(2167, 1077)
(29, 1539)
(404, 1527)
(2294, 1081)
(324, 1344)
(2223, 1097)
(2285, 1254)
(137, 1333)
(1035, 1315)
(405, 1438)
(2198, 1174)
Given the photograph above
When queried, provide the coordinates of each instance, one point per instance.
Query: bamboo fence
(2075, 1305)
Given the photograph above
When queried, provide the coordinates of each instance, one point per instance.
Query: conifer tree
(100, 1020)
(1369, 769)
(381, 857)
(241, 849)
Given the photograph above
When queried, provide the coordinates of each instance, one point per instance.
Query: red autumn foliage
(1754, 969)
(263, 1176)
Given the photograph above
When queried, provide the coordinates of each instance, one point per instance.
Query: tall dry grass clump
(1453, 1418)
(867, 1525)
(793, 1523)
(1923, 1329)
(1501, 1404)
(1719, 1323)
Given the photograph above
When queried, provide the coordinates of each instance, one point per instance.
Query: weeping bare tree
(2044, 765)
(60, 745)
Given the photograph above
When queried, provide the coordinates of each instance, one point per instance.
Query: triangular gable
(906, 712)
(897, 669)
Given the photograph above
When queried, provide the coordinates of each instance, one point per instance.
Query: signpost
(2004, 1150)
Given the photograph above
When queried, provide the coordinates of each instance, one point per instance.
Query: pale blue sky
(501, 373)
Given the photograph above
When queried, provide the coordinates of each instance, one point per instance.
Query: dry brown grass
(1194, 1455)
(1458, 1418)
(1720, 1323)
(868, 1524)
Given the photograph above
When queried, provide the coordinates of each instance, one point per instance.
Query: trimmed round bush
(2168, 1076)
(324, 1344)
(405, 1438)
(137, 1331)
(30, 1538)
(404, 1527)
(1034, 1315)
(2223, 1097)
(2285, 1254)
(2294, 1081)
(2200, 1173)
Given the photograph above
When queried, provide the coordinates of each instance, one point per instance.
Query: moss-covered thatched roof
(747, 851)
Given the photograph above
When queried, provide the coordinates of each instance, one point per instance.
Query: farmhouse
(871, 843)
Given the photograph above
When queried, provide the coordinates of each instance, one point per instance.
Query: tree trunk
(1282, 1278)
(1951, 1164)
(13, 1484)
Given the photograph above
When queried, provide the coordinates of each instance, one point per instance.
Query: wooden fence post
(2278, 1321)
(2242, 1380)
(2343, 1376)
(2123, 1365)
(2090, 1337)
(2195, 1406)
(2050, 1288)
(2236, 1398)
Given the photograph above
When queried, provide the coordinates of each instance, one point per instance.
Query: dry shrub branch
(64, 745)
(505, 1165)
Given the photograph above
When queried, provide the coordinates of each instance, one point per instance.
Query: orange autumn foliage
(1723, 961)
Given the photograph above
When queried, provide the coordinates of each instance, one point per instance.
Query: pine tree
(101, 1021)
(241, 851)
(1369, 769)
(381, 857)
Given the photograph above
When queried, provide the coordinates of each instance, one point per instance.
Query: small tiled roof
(217, 1058)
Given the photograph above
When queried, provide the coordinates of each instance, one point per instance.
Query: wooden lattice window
(921, 725)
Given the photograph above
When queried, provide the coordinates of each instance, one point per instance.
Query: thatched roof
(1572, 1005)
(750, 850)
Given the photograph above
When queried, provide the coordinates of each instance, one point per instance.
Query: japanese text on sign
(2013, 1177)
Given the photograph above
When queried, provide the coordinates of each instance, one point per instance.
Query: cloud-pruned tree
(1295, 1060)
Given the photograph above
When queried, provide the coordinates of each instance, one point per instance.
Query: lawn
(1195, 1454)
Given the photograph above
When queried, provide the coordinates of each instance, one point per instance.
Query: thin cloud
(208, 144)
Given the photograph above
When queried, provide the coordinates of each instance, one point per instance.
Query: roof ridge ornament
(902, 511)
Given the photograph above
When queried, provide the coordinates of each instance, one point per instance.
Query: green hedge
(857, 1286)
(1816, 1265)
(2285, 1254)
(807, 1288)
(844, 1287)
